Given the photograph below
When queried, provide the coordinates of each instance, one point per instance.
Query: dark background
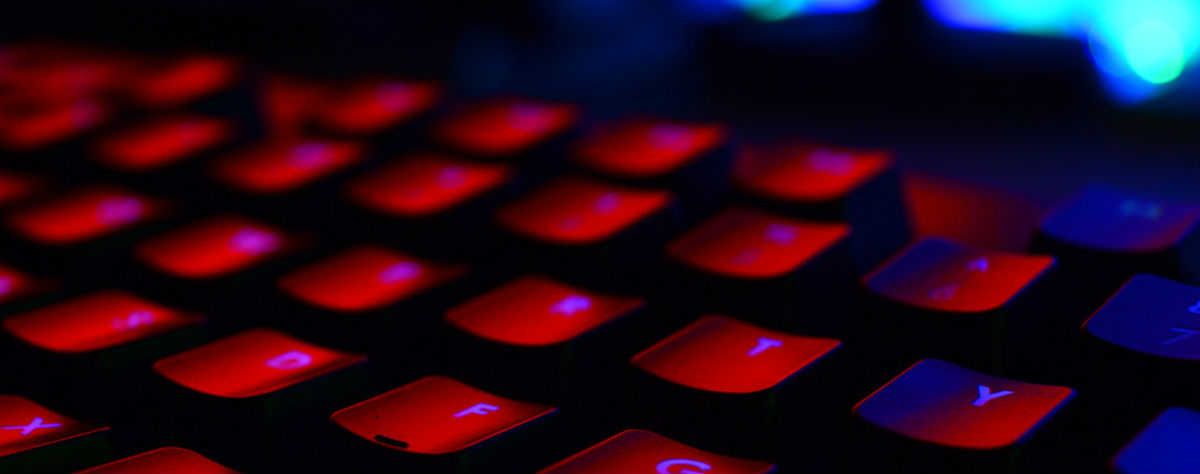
(1025, 113)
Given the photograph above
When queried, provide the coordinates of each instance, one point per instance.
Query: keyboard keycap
(538, 311)
(161, 142)
(51, 124)
(815, 181)
(252, 363)
(646, 148)
(503, 128)
(274, 388)
(579, 211)
(692, 159)
(96, 321)
(162, 460)
(639, 451)
(721, 354)
(370, 106)
(941, 403)
(1110, 234)
(1165, 446)
(176, 81)
(587, 231)
(942, 275)
(436, 415)
(1107, 219)
(82, 215)
(943, 298)
(35, 439)
(213, 247)
(279, 167)
(424, 184)
(1152, 315)
(761, 265)
(750, 244)
(365, 278)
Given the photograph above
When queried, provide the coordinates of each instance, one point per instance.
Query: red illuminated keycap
(424, 184)
(366, 277)
(95, 321)
(646, 148)
(807, 172)
(747, 243)
(537, 311)
(944, 275)
(161, 142)
(721, 354)
(283, 166)
(212, 247)
(579, 211)
(641, 451)
(15, 187)
(177, 81)
(941, 403)
(46, 125)
(436, 415)
(504, 127)
(252, 363)
(160, 461)
(25, 425)
(55, 72)
(370, 106)
(83, 214)
(13, 283)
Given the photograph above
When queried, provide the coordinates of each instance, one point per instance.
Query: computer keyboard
(207, 266)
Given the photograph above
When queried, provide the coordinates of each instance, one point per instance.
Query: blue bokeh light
(1142, 48)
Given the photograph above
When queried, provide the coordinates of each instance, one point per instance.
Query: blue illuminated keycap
(1167, 446)
(1151, 314)
(942, 403)
(1108, 220)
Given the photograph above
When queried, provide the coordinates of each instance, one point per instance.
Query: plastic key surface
(425, 184)
(212, 247)
(939, 402)
(1105, 219)
(25, 425)
(1152, 315)
(436, 415)
(366, 277)
(161, 142)
(47, 125)
(503, 127)
(1166, 446)
(807, 172)
(646, 148)
(251, 363)
(721, 354)
(95, 321)
(372, 105)
(538, 311)
(161, 461)
(83, 214)
(282, 166)
(645, 452)
(945, 275)
(176, 81)
(741, 242)
(579, 211)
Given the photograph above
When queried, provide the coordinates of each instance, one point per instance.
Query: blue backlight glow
(1141, 47)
